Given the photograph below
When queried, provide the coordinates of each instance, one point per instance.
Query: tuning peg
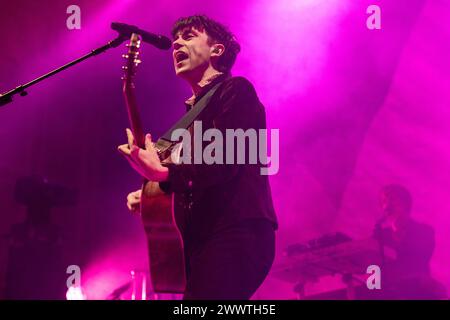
(124, 67)
(137, 61)
(125, 56)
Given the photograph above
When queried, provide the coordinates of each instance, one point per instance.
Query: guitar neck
(133, 114)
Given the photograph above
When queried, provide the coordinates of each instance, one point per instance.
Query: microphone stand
(379, 233)
(6, 97)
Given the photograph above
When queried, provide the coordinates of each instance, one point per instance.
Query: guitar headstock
(132, 59)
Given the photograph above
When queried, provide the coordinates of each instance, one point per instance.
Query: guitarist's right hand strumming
(134, 201)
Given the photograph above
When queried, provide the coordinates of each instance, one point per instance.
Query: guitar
(164, 242)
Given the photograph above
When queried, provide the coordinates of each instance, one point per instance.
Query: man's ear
(217, 50)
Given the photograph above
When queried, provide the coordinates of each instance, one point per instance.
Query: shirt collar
(204, 84)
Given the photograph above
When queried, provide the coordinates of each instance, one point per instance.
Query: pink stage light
(75, 293)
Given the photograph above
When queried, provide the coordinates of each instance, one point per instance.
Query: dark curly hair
(217, 33)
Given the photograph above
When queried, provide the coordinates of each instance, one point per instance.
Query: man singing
(224, 211)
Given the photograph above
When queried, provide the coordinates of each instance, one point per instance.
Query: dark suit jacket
(211, 197)
(414, 246)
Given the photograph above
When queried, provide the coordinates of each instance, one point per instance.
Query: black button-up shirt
(208, 198)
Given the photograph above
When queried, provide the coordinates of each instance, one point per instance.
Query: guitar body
(165, 246)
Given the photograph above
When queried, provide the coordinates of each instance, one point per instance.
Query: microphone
(159, 41)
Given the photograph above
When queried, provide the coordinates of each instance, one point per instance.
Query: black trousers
(231, 264)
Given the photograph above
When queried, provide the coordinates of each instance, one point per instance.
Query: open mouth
(180, 56)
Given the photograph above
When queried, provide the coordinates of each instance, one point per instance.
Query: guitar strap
(185, 122)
